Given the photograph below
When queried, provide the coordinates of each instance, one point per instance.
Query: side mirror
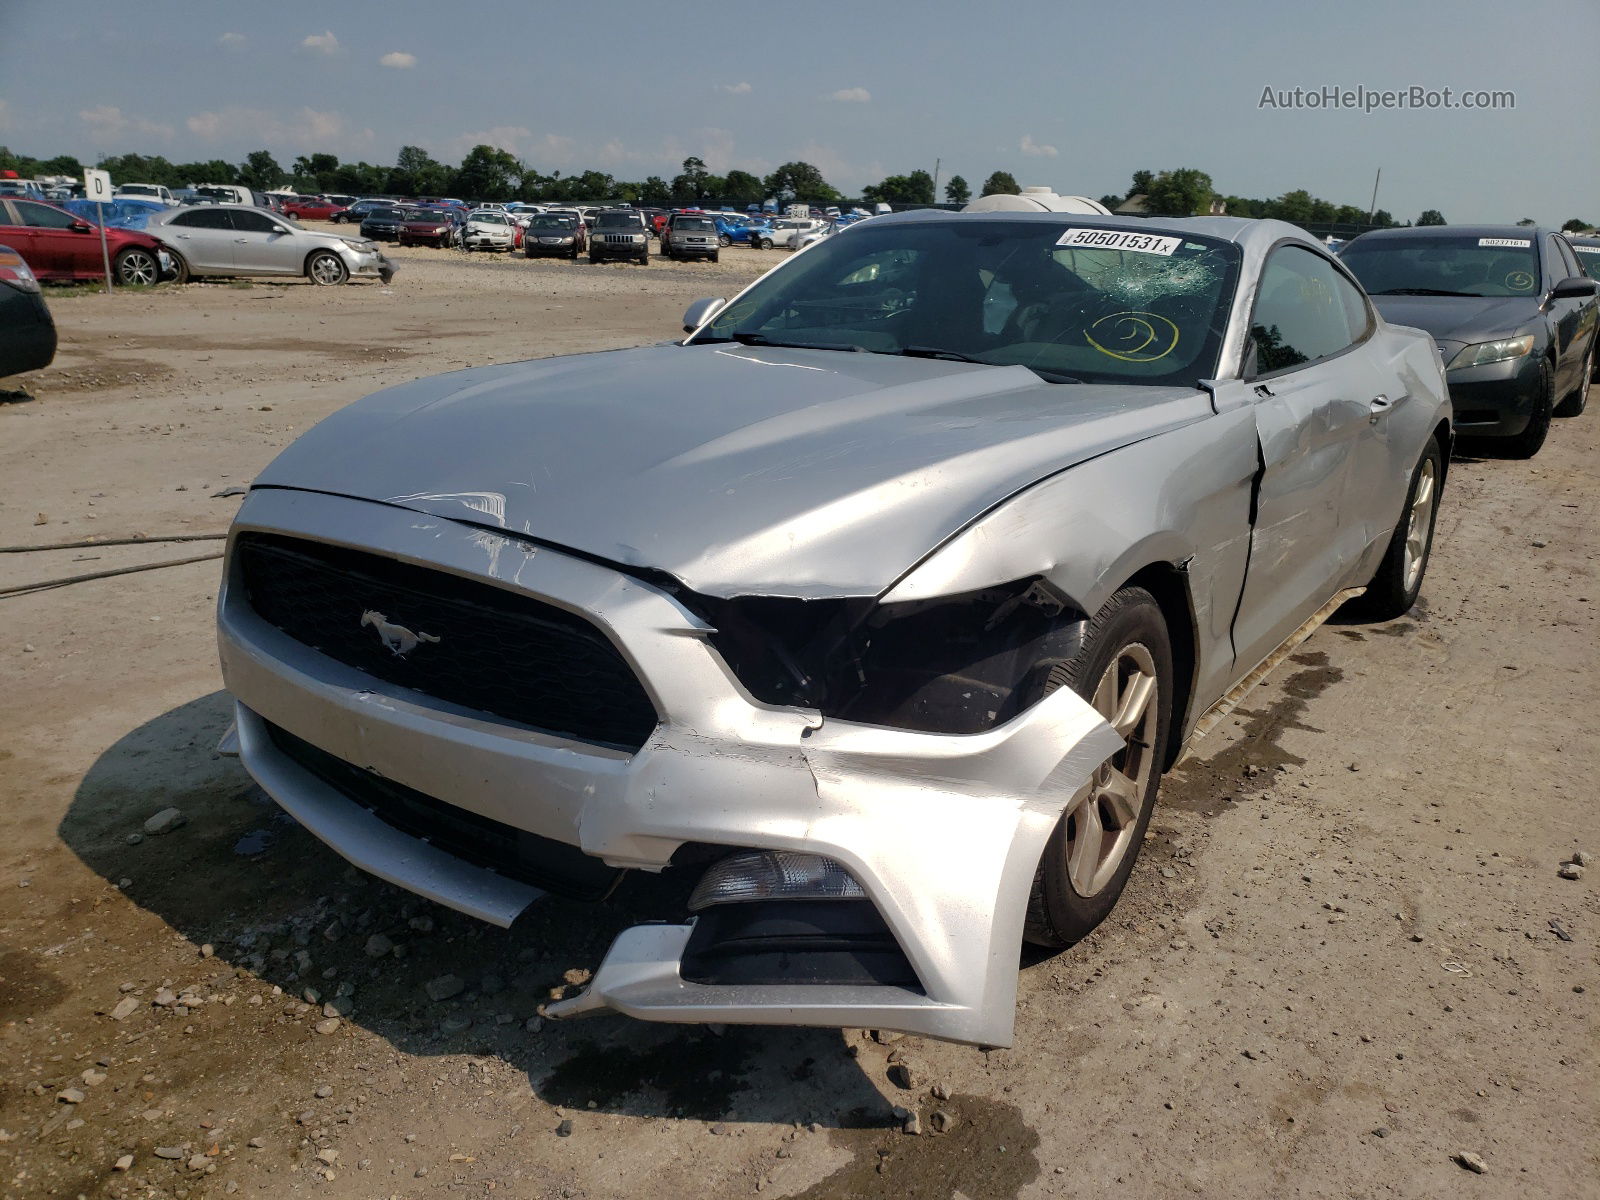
(279, 229)
(701, 311)
(1574, 288)
(81, 227)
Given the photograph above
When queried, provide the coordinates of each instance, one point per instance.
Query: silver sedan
(234, 239)
(874, 610)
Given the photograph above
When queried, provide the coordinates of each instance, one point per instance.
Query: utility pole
(936, 163)
(1373, 207)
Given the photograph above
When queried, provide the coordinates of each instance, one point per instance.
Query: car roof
(1246, 232)
(1458, 231)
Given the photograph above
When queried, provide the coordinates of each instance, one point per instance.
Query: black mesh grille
(497, 652)
(515, 853)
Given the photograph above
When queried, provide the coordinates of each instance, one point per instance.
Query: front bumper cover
(944, 832)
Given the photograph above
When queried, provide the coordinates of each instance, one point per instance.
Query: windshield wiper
(761, 339)
(1424, 292)
(937, 352)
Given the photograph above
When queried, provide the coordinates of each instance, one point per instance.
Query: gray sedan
(874, 610)
(233, 239)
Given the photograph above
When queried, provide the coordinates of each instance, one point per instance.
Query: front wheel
(1575, 401)
(1124, 669)
(766, 243)
(724, 240)
(137, 267)
(326, 269)
(180, 268)
(1395, 587)
(1528, 443)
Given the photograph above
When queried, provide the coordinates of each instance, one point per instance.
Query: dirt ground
(1345, 958)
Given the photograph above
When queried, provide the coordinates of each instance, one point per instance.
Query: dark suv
(620, 233)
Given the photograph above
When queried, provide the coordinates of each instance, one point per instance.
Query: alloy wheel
(1419, 527)
(138, 269)
(1103, 816)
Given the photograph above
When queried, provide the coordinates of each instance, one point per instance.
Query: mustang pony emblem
(400, 640)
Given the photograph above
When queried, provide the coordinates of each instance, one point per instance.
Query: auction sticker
(1587, 249)
(1519, 243)
(1119, 239)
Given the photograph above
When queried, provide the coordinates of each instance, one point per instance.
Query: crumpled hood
(1460, 318)
(737, 470)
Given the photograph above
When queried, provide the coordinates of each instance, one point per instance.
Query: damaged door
(1312, 404)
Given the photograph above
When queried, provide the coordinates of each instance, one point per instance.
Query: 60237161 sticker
(1119, 239)
(1514, 243)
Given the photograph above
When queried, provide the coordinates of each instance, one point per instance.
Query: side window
(42, 216)
(1303, 311)
(203, 218)
(1563, 262)
(253, 222)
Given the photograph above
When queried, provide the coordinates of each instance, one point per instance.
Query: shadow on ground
(275, 903)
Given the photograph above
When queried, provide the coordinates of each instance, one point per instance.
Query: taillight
(14, 271)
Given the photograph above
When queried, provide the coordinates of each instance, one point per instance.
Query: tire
(1527, 443)
(326, 269)
(180, 268)
(766, 243)
(1398, 581)
(724, 240)
(1575, 401)
(136, 267)
(715, 258)
(1080, 875)
(644, 259)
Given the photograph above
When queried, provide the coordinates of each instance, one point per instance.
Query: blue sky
(1059, 92)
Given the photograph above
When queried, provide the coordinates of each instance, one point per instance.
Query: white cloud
(109, 121)
(301, 132)
(1035, 149)
(321, 43)
(856, 95)
(735, 89)
(231, 40)
(399, 60)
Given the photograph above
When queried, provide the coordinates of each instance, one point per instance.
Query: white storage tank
(1037, 199)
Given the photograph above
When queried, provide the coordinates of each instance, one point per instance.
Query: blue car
(732, 228)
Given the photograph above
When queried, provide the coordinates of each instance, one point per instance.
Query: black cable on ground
(91, 543)
(23, 588)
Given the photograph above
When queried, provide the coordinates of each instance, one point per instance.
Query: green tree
(689, 185)
(1431, 216)
(741, 187)
(915, 188)
(1179, 193)
(957, 191)
(800, 181)
(417, 173)
(487, 173)
(1001, 183)
(214, 170)
(1292, 206)
(259, 171)
(1384, 219)
(1141, 184)
(654, 192)
(1573, 226)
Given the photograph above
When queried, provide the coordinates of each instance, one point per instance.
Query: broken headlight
(952, 664)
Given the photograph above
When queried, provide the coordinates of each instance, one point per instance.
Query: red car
(313, 208)
(57, 245)
(428, 227)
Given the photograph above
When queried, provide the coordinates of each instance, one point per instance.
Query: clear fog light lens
(774, 875)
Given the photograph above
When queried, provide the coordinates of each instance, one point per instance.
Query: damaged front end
(864, 789)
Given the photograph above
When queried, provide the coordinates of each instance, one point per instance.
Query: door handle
(1379, 406)
(242, 241)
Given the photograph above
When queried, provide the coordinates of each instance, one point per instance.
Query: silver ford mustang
(874, 610)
